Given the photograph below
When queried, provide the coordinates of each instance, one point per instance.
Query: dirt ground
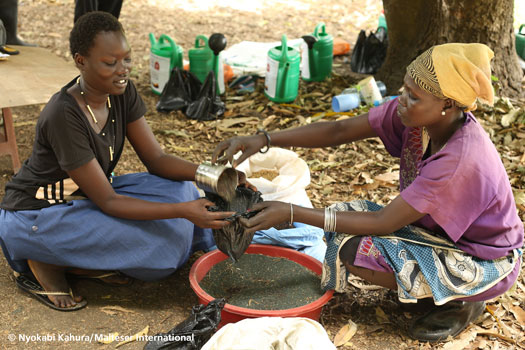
(381, 324)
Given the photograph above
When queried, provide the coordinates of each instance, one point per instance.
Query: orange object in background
(341, 47)
(228, 72)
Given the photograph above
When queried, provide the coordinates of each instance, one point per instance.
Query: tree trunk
(416, 25)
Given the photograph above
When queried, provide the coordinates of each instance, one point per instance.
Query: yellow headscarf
(457, 71)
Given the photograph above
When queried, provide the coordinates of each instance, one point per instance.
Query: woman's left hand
(272, 213)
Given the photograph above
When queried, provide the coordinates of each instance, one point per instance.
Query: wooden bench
(8, 139)
(31, 77)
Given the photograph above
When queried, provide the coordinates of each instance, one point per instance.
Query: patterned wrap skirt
(424, 265)
(78, 234)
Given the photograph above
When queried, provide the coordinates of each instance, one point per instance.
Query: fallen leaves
(381, 316)
(345, 333)
(388, 178)
(463, 340)
(509, 118)
(519, 314)
(115, 309)
(227, 124)
(110, 338)
(134, 337)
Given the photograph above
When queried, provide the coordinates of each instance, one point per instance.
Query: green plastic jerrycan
(281, 83)
(164, 56)
(317, 55)
(381, 22)
(201, 58)
(520, 42)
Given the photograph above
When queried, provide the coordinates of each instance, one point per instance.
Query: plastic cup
(369, 90)
(346, 102)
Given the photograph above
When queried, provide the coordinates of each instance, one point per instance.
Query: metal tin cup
(217, 179)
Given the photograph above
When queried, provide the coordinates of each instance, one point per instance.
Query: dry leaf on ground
(345, 333)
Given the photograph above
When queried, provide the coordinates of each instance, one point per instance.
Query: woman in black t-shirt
(65, 210)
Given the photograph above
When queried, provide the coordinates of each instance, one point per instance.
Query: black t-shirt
(64, 141)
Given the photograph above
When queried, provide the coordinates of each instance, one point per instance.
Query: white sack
(289, 186)
(271, 333)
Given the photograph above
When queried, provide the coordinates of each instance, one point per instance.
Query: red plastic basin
(232, 313)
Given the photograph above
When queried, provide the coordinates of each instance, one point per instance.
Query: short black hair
(86, 28)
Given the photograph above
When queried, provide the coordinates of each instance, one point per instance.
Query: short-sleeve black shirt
(64, 141)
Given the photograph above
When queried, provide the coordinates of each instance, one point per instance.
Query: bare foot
(53, 279)
(108, 277)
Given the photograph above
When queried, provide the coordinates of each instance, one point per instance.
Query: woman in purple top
(453, 233)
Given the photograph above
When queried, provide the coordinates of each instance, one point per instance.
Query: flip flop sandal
(102, 278)
(8, 50)
(31, 286)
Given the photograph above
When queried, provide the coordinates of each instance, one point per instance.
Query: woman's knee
(348, 251)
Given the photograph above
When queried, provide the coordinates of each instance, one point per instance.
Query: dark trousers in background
(85, 6)
(9, 16)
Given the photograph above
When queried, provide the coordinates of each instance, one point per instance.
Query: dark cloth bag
(369, 52)
(185, 92)
(233, 240)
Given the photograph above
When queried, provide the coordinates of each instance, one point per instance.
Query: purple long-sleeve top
(463, 188)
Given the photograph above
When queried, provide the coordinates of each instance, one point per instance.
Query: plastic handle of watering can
(173, 47)
(168, 39)
(152, 39)
(284, 48)
(283, 79)
(312, 60)
(203, 38)
(317, 27)
(521, 27)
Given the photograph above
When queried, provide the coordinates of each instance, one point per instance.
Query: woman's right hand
(197, 212)
(248, 145)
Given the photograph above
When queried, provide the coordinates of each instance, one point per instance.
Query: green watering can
(281, 83)
(164, 56)
(520, 42)
(317, 55)
(201, 58)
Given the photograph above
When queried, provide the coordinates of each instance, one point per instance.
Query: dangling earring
(443, 113)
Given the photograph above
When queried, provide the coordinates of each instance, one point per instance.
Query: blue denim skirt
(78, 234)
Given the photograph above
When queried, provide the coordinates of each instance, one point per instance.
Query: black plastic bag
(198, 328)
(233, 240)
(369, 52)
(185, 92)
(207, 105)
(181, 88)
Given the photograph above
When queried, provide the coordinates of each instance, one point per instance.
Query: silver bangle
(330, 219)
(326, 219)
(334, 228)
